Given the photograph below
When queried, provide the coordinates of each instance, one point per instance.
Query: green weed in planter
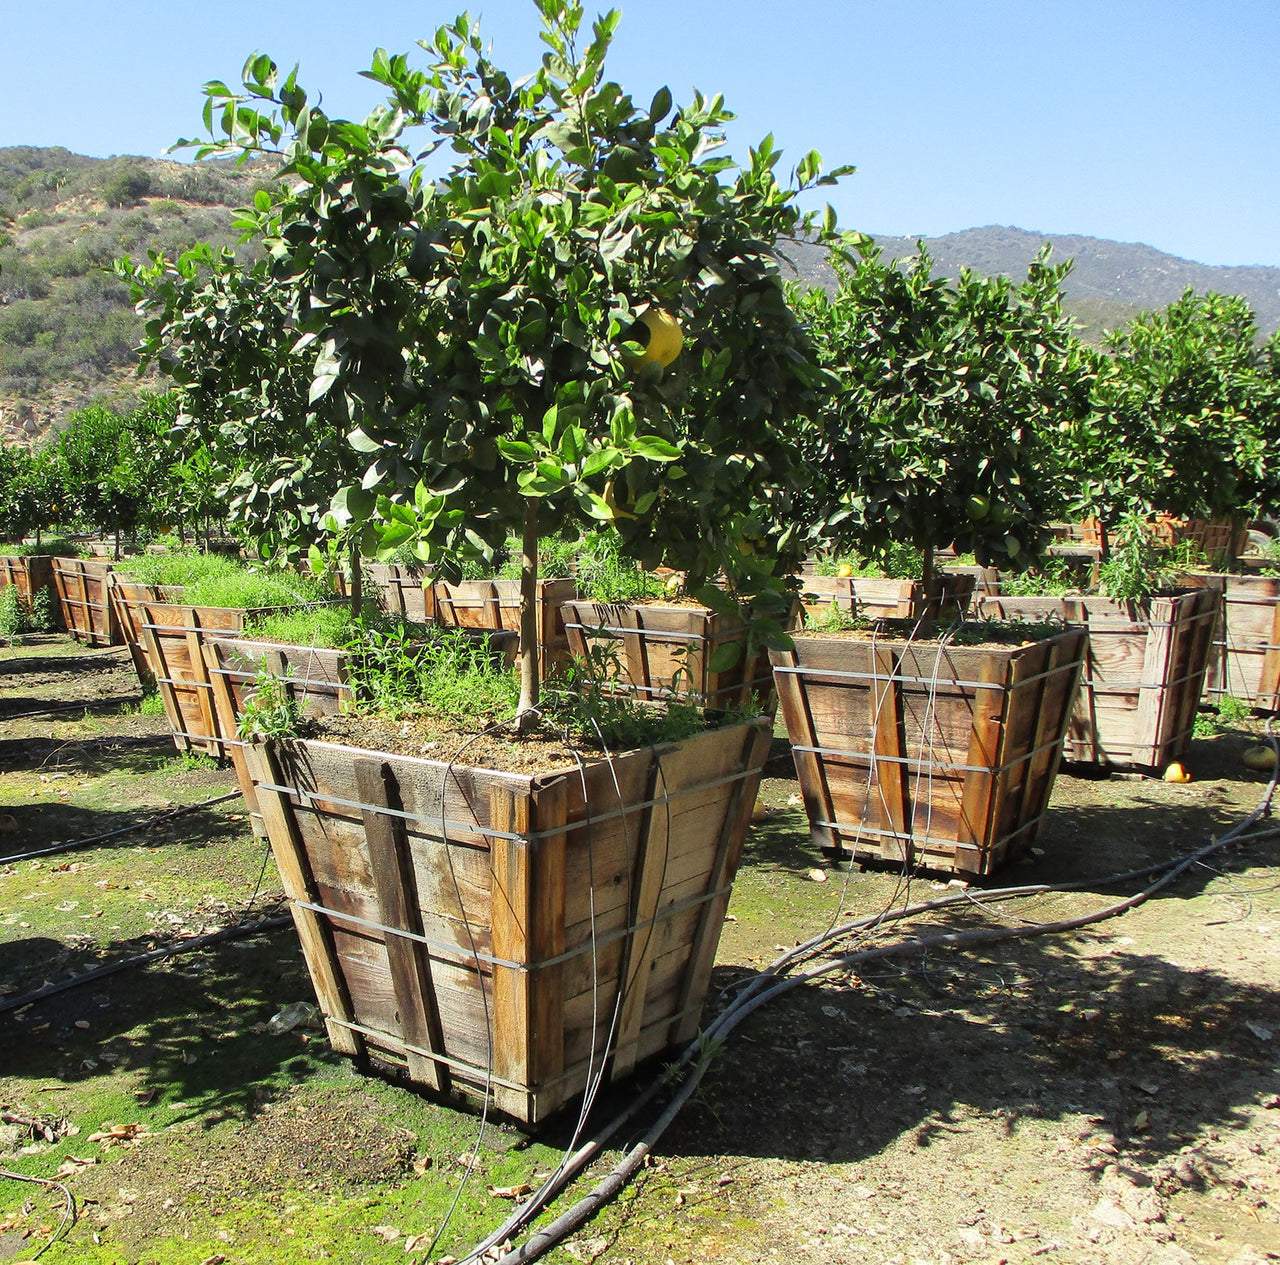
(55, 546)
(17, 616)
(898, 561)
(178, 568)
(606, 575)
(452, 675)
(328, 627)
(585, 703)
(269, 709)
(1138, 566)
(246, 590)
(1053, 577)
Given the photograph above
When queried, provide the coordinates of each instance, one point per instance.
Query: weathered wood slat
(495, 604)
(665, 650)
(401, 590)
(525, 980)
(1144, 675)
(31, 574)
(1245, 661)
(890, 747)
(84, 598)
(652, 854)
(945, 784)
(410, 962)
(295, 878)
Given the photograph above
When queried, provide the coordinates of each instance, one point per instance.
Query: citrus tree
(581, 317)
(1186, 417)
(249, 435)
(951, 393)
(31, 492)
(114, 467)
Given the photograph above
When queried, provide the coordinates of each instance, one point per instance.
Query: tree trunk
(356, 595)
(529, 648)
(928, 573)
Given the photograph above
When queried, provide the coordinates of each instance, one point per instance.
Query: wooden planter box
(1144, 675)
(866, 597)
(446, 912)
(665, 650)
(490, 604)
(83, 588)
(315, 678)
(1245, 659)
(405, 591)
(174, 637)
(30, 574)
(925, 754)
(128, 597)
(1220, 541)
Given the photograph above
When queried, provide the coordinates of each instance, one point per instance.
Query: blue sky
(1152, 121)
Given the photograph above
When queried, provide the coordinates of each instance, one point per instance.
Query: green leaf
(516, 450)
(654, 448)
(549, 421)
(660, 106)
(599, 461)
(725, 656)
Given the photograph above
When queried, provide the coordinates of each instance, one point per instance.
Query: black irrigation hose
(68, 1209)
(67, 707)
(89, 840)
(237, 932)
(746, 1003)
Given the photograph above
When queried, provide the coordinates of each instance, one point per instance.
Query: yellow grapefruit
(661, 335)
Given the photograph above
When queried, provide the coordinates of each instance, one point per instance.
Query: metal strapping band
(922, 763)
(649, 634)
(479, 1073)
(914, 839)
(205, 739)
(186, 685)
(232, 633)
(322, 686)
(524, 968)
(666, 690)
(888, 678)
(475, 828)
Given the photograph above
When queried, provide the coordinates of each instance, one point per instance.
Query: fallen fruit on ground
(1261, 758)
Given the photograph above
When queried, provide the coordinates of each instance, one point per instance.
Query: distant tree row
(968, 411)
(119, 474)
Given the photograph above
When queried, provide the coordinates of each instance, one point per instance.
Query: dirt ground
(1111, 1094)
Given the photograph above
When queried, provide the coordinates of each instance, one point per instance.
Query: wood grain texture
(544, 900)
(31, 575)
(1245, 660)
(1144, 674)
(83, 596)
(409, 961)
(495, 604)
(665, 651)
(926, 748)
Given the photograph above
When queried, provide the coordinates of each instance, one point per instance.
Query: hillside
(1110, 283)
(67, 326)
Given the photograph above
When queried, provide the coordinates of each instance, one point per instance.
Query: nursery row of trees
(115, 473)
(439, 363)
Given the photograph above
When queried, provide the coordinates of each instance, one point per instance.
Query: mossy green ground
(966, 1104)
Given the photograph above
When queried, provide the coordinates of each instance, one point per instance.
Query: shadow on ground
(185, 1026)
